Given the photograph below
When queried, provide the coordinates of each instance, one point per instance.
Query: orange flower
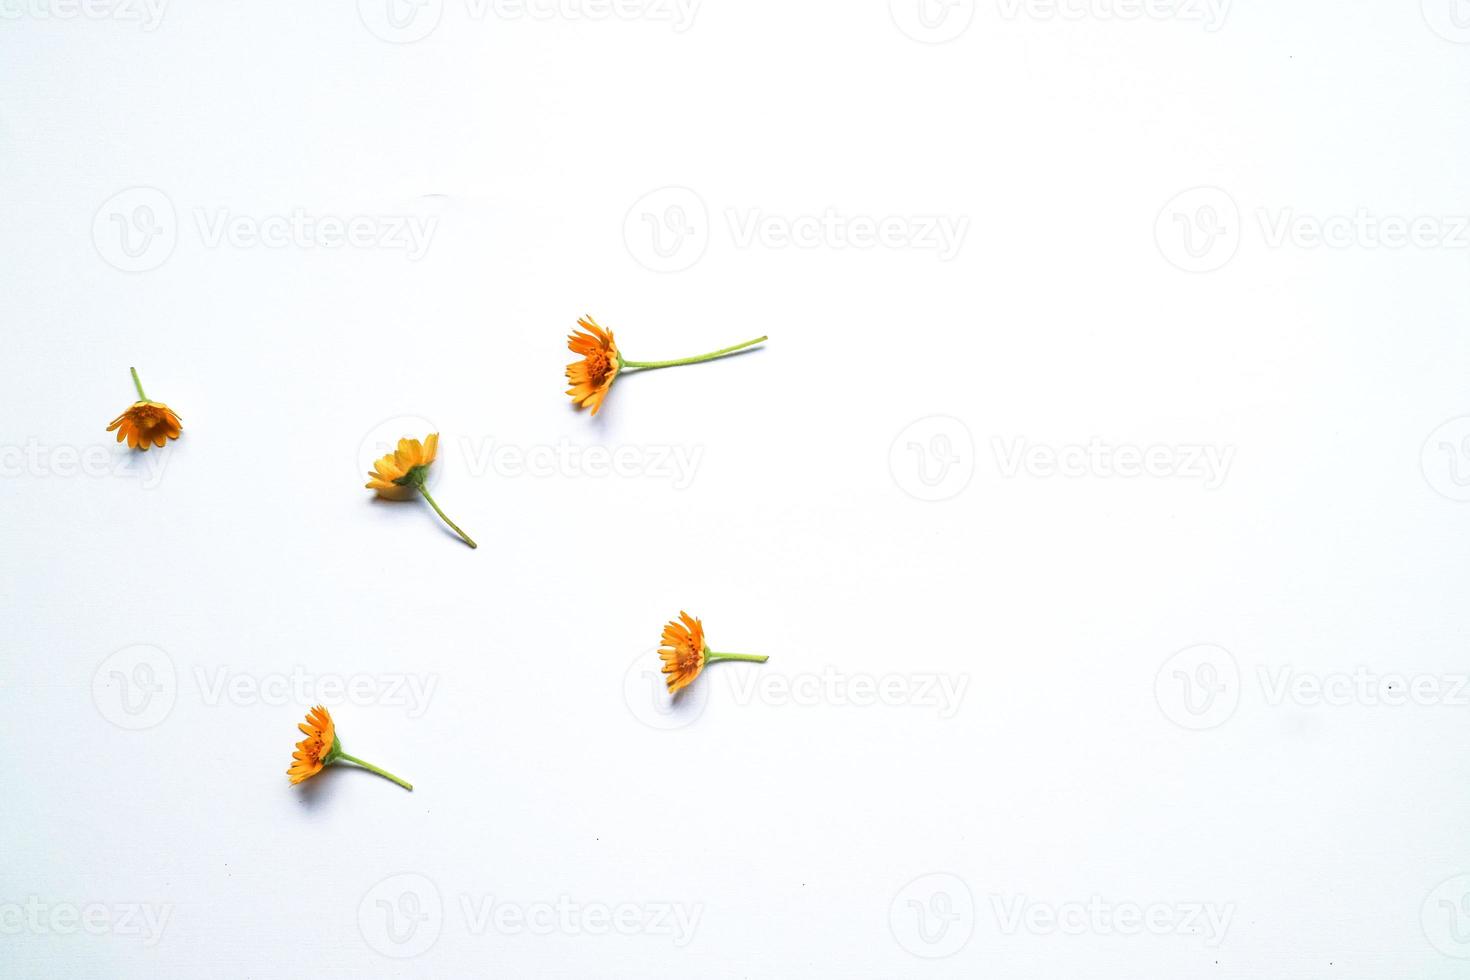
(321, 748)
(405, 471)
(685, 652)
(682, 651)
(146, 423)
(393, 476)
(314, 752)
(593, 375)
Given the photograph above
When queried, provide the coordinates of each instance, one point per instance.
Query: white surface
(791, 826)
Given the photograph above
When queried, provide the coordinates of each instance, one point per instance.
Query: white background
(805, 828)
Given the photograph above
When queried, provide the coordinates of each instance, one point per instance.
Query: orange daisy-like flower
(685, 652)
(321, 748)
(682, 651)
(593, 375)
(146, 423)
(405, 471)
(394, 475)
(314, 752)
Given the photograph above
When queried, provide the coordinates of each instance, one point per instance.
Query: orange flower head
(318, 749)
(147, 423)
(683, 651)
(401, 472)
(593, 375)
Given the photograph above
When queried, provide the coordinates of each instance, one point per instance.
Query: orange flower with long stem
(321, 748)
(401, 473)
(685, 652)
(592, 377)
(146, 423)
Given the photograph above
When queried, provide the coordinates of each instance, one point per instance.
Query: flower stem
(710, 656)
(445, 517)
(138, 384)
(381, 772)
(693, 360)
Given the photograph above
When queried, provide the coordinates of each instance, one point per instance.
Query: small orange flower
(314, 752)
(321, 748)
(593, 375)
(393, 476)
(146, 423)
(405, 471)
(685, 652)
(682, 651)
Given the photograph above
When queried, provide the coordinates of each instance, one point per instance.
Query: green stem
(445, 517)
(710, 657)
(381, 772)
(138, 384)
(690, 360)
